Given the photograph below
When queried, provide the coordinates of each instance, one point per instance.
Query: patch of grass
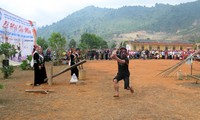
(1, 86)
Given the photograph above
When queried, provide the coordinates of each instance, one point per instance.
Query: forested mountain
(182, 19)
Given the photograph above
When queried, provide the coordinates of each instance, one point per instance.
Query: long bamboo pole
(169, 70)
(63, 71)
(69, 68)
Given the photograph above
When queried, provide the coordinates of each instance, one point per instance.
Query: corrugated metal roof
(161, 41)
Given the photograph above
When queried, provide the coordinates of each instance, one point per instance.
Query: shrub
(1, 86)
(7, 49)
(24, 65)
(29, 58)
(7, 71)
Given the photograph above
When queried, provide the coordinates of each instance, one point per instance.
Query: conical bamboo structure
(173, 68)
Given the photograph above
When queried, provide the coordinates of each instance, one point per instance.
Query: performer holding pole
(73, 60)
(123, 71)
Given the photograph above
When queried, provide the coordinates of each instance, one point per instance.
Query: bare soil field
(155, 97)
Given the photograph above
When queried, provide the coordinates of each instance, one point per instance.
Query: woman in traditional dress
(43, 68)
(39, 68)
(73, 60)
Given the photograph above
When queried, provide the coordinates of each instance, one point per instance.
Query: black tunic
(123, 67)
(123, 72)
(39, 74)
(75, 69)
(43, 69)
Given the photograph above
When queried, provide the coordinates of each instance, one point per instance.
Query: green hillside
(177, 20)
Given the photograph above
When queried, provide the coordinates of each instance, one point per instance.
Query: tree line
(58, 43)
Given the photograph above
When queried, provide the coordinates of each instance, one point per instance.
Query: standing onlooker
(39, 73)
(48, 55)
(37, 66)
(43, 68)
(78, 57)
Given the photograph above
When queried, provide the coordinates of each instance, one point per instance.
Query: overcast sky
(46, 12)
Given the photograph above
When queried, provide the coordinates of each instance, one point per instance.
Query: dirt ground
(155, 97)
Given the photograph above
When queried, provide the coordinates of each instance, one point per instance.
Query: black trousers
(76, 71)
(123, 77)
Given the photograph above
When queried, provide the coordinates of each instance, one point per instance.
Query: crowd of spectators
(142, 54)
(104, 54)
(160, 54)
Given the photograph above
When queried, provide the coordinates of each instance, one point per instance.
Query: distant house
(142, 44)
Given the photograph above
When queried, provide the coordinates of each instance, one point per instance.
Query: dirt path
(155, 97)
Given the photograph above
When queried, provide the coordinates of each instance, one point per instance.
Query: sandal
(131, 89)
(116, 96)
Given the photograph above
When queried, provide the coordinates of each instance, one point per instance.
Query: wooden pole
(39, 91)
(191, 68)
(195, 77)
(63, 71)
(69, 68)
(51, 74)
(169, 70)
